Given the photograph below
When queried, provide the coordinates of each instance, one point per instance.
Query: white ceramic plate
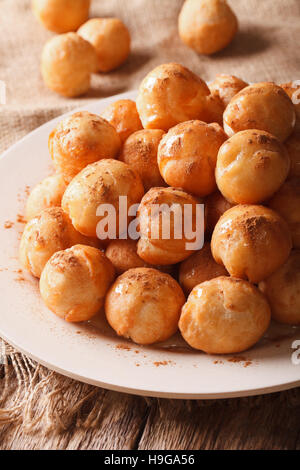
(92, 353)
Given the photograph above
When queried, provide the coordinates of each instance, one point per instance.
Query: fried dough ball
(187, 156)
(215, 206)
(293, 91)
(282, 290)
(198, 268)
(74, 282)
(293, 148)
(171, 94)
(207, 26)
(144, 305)
(264, 106)
(251, 242)
(100, 183)
(224, 316)
(111, 40)
(48, 193)
(251, 167)
(67, 64)
(123, 116)
(44, 235)
(225, 87)
(81, 139)
(61, 16)
(158, 245)
(287, 203)
(140, 152)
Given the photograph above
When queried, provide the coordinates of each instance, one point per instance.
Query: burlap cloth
(35, 401)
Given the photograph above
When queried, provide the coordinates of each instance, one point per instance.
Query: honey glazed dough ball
(293, 147)
(171, 94)
(293, 91)
(215, 206)
(44, 235)
(251, 242)
(282, 290)
(79, 140)
(100, 183)
(74, 282)
(198, 268)
(156, 246)
(224, 316)
(225, 87)
(67, 64)
(123, 116)
(48, 193)
(264, 106)
(207, 26)
(144, 305)
(140, 152)
(287, 203)
(187, 156)
(61, 16)
(251, 167)
(111, 40)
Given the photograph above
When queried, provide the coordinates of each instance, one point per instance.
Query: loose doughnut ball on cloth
(81, 139)
(264, 106)
(111, 40)
(100, 183)
(287, 203)
(187, 156)
(293, 91)
(144, 305)
(123, 116)
(293, 147)
(61, 16)
(140, 152)
(44, 235)
(158, 245)
(75, 281)
(198, 268)
(207, 26)
(171, 94)
(251, 167)
(67, 64)
(224, 316)
(225, 87)
(48, 193)
(251, 242)
(215, 206)
(282, 290)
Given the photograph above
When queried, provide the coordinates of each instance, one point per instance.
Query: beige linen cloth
(32, 398)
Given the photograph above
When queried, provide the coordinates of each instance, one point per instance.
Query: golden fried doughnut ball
(123, 116)
(198, 268)
(207, 26)
(81, 139)
(111, 40)
(152, 246)
(48, 193)
(144, 305)
(74, 282)
(225, 87)
(293, 91)
(61, 16)
(100, 183)
(224, 316)
(44, 235)
(264, 106)
(215, 206)
(171, 94)
(282, 290)
(293, 148)
(251, 166)
(67, 64)
(287, 203)
(140, 152)
(187, 156)
(251, 242)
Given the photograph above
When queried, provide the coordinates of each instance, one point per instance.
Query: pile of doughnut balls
(84, 47)
(233, 147)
